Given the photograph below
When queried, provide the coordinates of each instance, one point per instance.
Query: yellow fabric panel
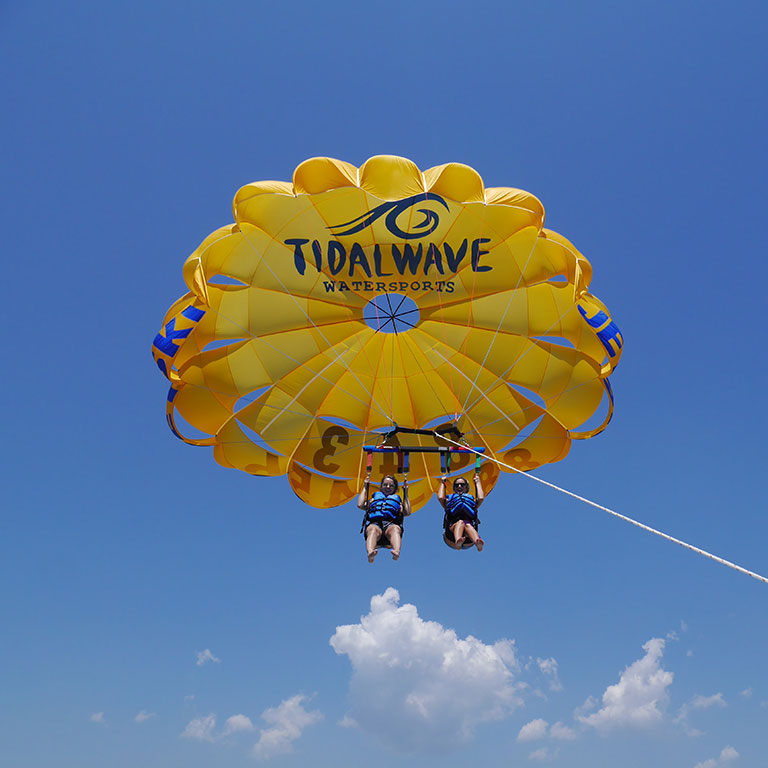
(549, 442)
(259, 189)
(391, 178)
(270, 213)
(394, 394)
(501, 412)
(351, 399)
(270, 312)
(559, 250)
(550, 369)
(278, 418)
(319, 491)
(545, 309)
(235, 449)
(319, 174)
(237, 255)
(308, 386)
(457, 374)
(332, 449)
(253, 257)
(577, 403)
(212, 254)
(419, 493)
(498, 223)
(457, 181)
(202, 408)
(463, 376)
(511, 265)
(233, 370)
(515, 198)
(332, 210)
(345, 391)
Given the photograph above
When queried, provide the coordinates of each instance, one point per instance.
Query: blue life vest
(384, 508)
(460, 505)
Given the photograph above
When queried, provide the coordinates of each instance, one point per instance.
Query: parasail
(356, 302)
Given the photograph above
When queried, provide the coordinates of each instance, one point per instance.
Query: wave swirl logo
(393, 211)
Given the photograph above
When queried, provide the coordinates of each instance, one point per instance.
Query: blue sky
(126, 557)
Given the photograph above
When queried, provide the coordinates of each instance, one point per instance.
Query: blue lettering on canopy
(165, 343)
(610, 333)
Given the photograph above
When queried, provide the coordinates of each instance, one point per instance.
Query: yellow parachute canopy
(356, 299)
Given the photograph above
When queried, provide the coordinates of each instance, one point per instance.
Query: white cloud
(430, 687)
(97, 717)
(640, 696)
(728, 754)
(347, 722)
(705, 702)
(549, 668)
(562, 732)
(205, 656)
(200, 729)
(237, 724)
(746, 693)
(536, 729)
(698, 702)
(589, 704)
(543, 754)
(143, 715)
(288, 720)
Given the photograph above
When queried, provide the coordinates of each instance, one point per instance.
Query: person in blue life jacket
(460, 522)
(384, 512)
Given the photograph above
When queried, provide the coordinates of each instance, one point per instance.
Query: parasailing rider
(384, 512)
(460, 522)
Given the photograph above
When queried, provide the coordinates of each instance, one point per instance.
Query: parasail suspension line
(666, 536)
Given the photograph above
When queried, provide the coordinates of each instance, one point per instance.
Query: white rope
(616, 514)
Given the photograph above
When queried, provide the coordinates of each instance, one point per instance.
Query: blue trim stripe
(610, 333)
(192, 313)
(173, 428)
(165, 343)
(596, 320)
